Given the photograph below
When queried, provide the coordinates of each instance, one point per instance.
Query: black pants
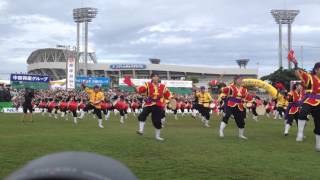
(74, 113)
(195, 106)
(205, 112)
(27, 106)
(105, 111)
(55, 110)
(237, 114)
(155, 111)
(96, 111)
(163, 113)
(122, 112)
(63, 110)
(292, 117)
(175, 111)
(281, 111)
(315, 112)
(254, 111)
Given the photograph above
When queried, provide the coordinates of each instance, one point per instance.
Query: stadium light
(83, 15)
(284, 17)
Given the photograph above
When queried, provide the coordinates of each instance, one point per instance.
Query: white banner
(71, 72)
(178, 84)
(168, 83)
(136, 82)
(19, 110)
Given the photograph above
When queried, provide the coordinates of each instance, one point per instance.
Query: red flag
(291, 57)
(127, 81)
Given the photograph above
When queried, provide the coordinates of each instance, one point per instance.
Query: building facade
(52, 62)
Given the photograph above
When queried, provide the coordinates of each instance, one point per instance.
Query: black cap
(72, 166)
(154, 74)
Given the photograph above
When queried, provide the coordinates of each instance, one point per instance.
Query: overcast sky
(188, 32)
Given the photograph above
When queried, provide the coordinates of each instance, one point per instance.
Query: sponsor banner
(21, 81)
(103, 82)
(19, 110)
(71, 72)
(177, 84)
(168, 83)
(128, 66)
(29, 78)
(136, 82)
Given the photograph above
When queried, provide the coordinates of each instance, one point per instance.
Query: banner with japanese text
(71, 72)
(21, 81)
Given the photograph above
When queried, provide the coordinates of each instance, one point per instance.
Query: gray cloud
(207, 32)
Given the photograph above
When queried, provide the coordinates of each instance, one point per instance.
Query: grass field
(190, 151)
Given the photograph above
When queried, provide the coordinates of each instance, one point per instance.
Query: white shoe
(100, 123)
(159, 139)
(81, 115)
(287, 128)
(221, 134)
(243, 137)
(222, 126)
(207, 124)
(140, 132)
(300, 134)
(158, 132)
(318, 143)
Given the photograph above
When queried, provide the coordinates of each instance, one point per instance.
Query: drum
(261, 110)
(172, 104)
(249, 105)
(212, 106)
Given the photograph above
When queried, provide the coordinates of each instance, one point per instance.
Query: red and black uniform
(63, 106)
(311, 99)
(82, 105)
(73, 106)
(42, 105)
(175, 111)
(236, 97)
(104, 107)
(52, 105)
(156, 94)
(188, 106)
(182, 106)
(121, 106)
(294, 106)
(134, 106)
(269, 107)
(254, 107)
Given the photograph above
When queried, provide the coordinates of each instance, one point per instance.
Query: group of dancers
(234, 102)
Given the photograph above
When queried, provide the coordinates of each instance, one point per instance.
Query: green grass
(190, 151)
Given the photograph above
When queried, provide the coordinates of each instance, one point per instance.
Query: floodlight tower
(284, 17)
(83, 15)
(242, 63)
